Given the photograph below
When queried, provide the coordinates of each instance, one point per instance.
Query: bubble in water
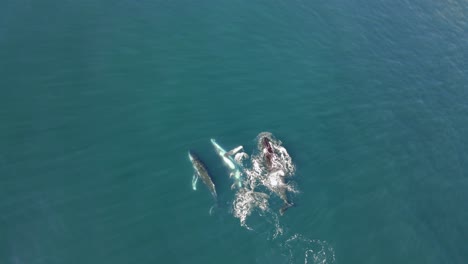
(245, 203)
(305, 250)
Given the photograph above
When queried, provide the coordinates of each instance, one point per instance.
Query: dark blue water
(100, 102)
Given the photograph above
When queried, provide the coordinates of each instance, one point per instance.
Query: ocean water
(101, 100)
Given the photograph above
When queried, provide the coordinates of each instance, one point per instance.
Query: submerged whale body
(201, 172)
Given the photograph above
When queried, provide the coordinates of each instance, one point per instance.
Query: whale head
(267, 145)
(190, 155)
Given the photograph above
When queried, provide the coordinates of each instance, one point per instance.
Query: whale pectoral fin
(233, 151)
(194, 182)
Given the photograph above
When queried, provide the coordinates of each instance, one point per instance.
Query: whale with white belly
(234, 167)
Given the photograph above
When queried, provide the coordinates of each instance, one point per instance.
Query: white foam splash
(313, 250)
(246, 202)
(281, 159)
(282, 167)
(258, 179)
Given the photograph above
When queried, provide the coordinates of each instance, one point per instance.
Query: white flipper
(194, 182)
(234, 151)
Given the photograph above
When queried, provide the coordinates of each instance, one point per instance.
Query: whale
(234, 167)
(276, 177)
(201, 172)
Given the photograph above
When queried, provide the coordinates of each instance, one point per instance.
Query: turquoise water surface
(101, 100)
